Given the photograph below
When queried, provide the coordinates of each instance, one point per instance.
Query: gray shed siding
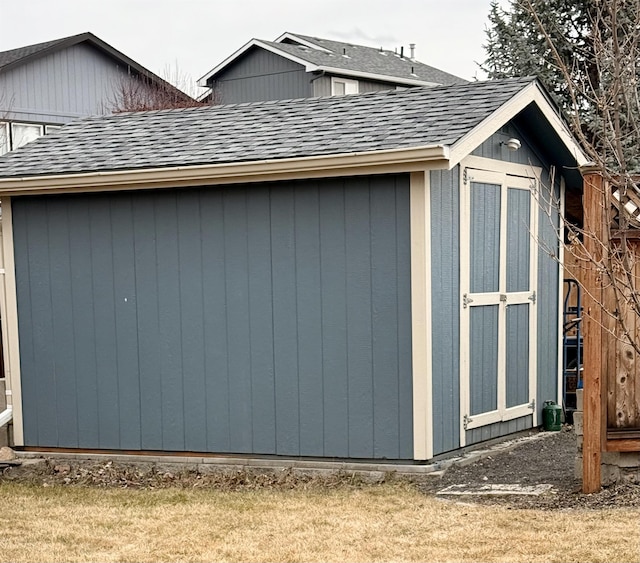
(445, 300)
(261, 75)
(266, 319)
(548, 270)
(70, 83)
(445, 307)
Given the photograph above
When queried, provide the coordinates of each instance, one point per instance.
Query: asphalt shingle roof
(14, 55)
(393, 119)
(365, 59)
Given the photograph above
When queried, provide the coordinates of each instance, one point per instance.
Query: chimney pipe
(402, 52)
(412, 47)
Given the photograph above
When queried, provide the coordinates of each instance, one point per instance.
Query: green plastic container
(552, 416)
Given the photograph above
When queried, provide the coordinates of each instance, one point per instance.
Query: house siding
(271, 319)
(322, 86)
(70, 83)
(261, 75)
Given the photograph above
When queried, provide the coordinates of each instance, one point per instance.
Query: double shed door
(499, 256)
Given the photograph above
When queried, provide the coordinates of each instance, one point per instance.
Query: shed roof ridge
(263, 131)
(331, 100)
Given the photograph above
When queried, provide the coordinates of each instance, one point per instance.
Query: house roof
(22, 55)
(455, 119)
(346, 59)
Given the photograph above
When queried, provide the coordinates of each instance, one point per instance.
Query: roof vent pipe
(402, 52)
(412, 49)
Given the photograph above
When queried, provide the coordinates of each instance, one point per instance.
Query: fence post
(594, 225)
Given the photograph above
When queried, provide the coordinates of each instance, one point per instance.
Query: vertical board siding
(518, 239)
(322, 86)
(70, 83)
(261, 75)
(483, 358)
(548, 277)
(547, 297)
(517, 363)
(445, 303)
(255, 319)
(485, 238)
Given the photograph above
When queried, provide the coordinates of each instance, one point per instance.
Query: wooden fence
(611, 362)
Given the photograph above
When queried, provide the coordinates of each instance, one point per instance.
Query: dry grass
(372, 523)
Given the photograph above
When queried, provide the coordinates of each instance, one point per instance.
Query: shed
(367, 276)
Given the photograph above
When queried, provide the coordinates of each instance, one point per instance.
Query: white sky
(189, 37)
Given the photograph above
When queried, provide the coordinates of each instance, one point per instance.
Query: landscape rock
(7, 454)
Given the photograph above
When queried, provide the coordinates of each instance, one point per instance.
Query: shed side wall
(445, 302)
(271, 319)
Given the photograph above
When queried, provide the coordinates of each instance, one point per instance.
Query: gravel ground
(548, 460)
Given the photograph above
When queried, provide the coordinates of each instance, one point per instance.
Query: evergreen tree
(587, 54)
(517, 46)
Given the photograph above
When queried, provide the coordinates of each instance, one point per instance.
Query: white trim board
(9, 312)
(375, 162)
(531, 93)
(421, 334)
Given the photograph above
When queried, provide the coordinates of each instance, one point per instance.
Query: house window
(342, 86)
(15, 135)
(23, 133)
(4, 138)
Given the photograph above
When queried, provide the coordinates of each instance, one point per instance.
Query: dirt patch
(146, 475)
(547, 460)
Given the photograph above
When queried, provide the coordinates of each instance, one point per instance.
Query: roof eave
(378, 77)
(391, 160)
(302, 41)
(532, 93)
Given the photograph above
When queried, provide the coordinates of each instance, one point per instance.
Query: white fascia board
(530, 94)
(309, 67)
(396, 160)
(378, 77)
(302, 41)
(204, 95)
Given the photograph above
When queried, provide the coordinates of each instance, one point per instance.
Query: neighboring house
(44, 86)
(372, 276)
(298, 66)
